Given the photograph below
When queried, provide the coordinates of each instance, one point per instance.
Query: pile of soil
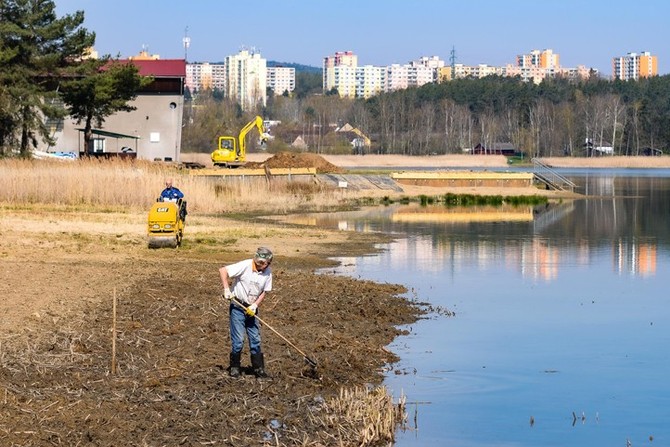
(297, 160)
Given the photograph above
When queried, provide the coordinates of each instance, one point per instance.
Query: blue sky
(382, 32)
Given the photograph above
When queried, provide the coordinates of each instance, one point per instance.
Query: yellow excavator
(232, 151)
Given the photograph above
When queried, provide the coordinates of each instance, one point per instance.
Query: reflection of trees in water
(633, 208)
(630, 219)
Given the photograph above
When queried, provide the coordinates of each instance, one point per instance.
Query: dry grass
(133, 185)
(367, 415)
(616, 161)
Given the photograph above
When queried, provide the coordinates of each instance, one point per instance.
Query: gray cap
(263, 253)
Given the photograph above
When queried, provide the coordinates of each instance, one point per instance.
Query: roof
(159, 68)
(105, 133)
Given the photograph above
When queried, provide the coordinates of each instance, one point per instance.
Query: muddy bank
(171, 385)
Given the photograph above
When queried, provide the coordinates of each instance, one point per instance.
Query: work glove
(251, 310)
(227, 294)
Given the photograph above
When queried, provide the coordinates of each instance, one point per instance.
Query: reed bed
(368, 415)
(92, 184)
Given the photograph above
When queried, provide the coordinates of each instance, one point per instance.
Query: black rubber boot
(234, 369)
(258, 364)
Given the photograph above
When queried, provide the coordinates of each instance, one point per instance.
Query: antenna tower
(187, 43)
(452, 61)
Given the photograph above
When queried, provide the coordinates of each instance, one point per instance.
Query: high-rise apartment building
(281, 79)
(409, 75)
(370, 81)
(467, 71)
(205, 76)
(546, 59)
(534, 66)
(339, 71)
(246, 79)
(634, 66)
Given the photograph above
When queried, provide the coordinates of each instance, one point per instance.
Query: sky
(381, 32)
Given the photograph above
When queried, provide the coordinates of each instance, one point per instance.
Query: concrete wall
(465, 178)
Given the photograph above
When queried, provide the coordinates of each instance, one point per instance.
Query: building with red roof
(151, 132)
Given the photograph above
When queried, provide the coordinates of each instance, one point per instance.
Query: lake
(552, 323)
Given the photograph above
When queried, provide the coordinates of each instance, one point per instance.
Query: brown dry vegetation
(608, 162)
(60, 273)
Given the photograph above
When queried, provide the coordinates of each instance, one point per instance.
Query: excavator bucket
(165, 224)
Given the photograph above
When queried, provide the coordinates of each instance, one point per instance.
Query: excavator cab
(165, 226)
(227, 154)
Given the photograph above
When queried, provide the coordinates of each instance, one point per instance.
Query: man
(246, 284)
(173, 194)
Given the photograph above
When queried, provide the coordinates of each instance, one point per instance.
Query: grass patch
(451, 199)
(496, 200)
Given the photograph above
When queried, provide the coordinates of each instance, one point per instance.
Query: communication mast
(187, 43)
(452, 61)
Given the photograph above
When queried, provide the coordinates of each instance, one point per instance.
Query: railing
(550, 177)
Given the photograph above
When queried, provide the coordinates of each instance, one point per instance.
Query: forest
(558, 117)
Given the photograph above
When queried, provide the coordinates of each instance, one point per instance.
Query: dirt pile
(297, 160)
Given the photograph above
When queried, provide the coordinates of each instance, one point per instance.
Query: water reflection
(533, 240)
(561, 315)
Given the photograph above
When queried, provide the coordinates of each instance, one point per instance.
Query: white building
(205, 76)
(281, 79)
(344, 80)
(246, 79)
(339, 72)
(370, 81)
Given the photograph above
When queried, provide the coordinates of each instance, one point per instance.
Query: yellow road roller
(166, 224)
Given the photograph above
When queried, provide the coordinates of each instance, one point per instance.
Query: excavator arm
(232, 151)
(258, 124)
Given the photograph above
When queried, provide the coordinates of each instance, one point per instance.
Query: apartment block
(338, 71)
(546, 59)
(634, 66)
(344, 80)
(532, 67)
(281, 79)
(205, 76)
(370, 80)
(467, 71)
(341, 72)
(246, 79)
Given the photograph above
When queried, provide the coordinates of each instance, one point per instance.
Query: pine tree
(36, 50)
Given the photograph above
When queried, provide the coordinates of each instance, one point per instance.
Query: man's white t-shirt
(248, 283)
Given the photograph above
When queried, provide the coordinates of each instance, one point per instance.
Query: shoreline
(172, 337)
(464, 161)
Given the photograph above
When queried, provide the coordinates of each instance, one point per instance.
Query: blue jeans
(239, 323)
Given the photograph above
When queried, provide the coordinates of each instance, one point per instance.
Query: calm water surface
(562, 316)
